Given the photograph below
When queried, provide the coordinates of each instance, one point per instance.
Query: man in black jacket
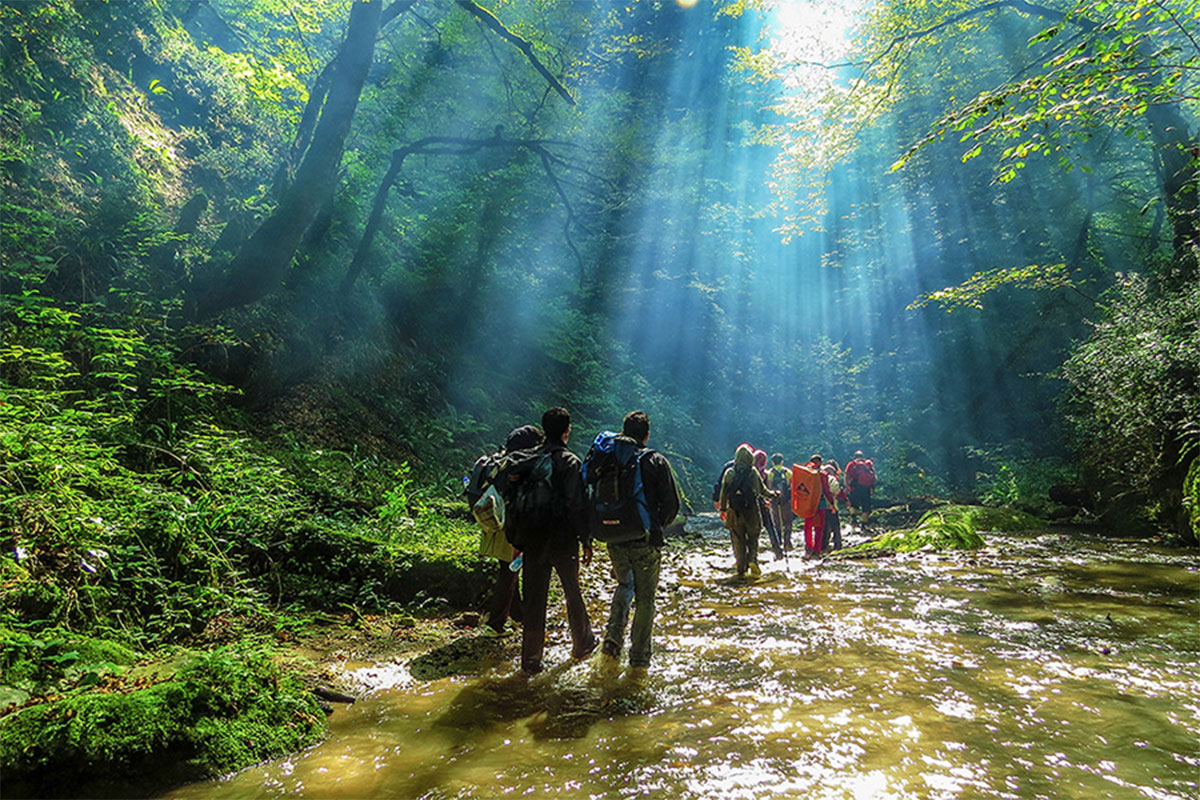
(559, 550)
(636, 563)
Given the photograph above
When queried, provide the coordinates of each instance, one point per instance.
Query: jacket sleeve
(661, 492)
(570, 478)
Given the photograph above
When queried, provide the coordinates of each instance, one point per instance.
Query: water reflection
(1041, 666)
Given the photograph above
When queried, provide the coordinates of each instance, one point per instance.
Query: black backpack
(721, 479)
(616, 494)
(482, 475)
(531, 505)
(741, 489)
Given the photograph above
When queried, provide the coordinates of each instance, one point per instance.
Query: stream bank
(1045, 664)
(372, 657)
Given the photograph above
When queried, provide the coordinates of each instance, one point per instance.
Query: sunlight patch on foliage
(970, 293)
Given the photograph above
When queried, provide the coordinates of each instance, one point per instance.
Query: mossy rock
(221, 712)
(324, 566)
(948, 527)
(53, 658)
(988, 518)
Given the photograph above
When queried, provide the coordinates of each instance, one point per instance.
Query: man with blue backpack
(546, 520)
(631, 497)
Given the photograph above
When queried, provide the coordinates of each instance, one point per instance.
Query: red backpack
(861, 472)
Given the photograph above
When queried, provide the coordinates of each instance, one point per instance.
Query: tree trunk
(1178, 151)
(261, 265)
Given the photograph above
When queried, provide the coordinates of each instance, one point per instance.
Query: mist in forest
(445, 218)
(649, 269)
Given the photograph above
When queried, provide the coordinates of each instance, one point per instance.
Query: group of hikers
(540, 508)
(752, 497)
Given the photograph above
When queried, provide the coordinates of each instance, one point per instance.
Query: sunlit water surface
(1045, 666)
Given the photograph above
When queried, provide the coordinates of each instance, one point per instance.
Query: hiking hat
(523, 438)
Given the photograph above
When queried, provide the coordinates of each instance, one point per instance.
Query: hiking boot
(611, 649)
(488, 632)
(586, 651)
(754, 571)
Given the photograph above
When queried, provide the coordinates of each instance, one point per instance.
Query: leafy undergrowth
(951, 527)
(137, 516)
(221, 710)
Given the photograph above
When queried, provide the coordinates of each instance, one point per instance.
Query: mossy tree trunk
(261, 264)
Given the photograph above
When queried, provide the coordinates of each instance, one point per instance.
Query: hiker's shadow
(561, 703)
(469, 655)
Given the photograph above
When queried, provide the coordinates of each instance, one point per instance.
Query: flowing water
(1043, 666)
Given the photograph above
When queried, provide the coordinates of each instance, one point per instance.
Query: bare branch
(394, 10)
(450, 146)
(489, 19)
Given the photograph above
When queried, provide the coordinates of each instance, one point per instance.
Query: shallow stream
(1044, 666)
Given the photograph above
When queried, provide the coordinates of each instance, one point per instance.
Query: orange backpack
(806, 490)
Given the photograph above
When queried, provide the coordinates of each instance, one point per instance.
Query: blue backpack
(616, 496)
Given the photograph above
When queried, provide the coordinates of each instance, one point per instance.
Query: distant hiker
(632, 496)
(716, 493)
(778, 481)
(545, 518)
(760, 465)
(860, 485)
(488, 507)
(814, 525)
(833, 524)
(741, 490)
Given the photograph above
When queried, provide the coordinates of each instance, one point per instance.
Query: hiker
(716, 493)
(833, 524)
(545, 518)
(778, 481)
(741, 490)
(488, 508)
(632, 522)
(764, 503)
(814, 526)
(860, 485)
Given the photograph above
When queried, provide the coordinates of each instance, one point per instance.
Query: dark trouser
(635, 566)
(764, 511)
(537, 591)
(782, 515)
(833, 530)
(745, 547)
(506, 598)
(860, 499)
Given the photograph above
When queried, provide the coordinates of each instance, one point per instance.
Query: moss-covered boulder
(324, 565)
(948, 527)
(989, 518)
(222, 711)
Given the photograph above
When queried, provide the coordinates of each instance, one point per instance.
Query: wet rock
(332, 695)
